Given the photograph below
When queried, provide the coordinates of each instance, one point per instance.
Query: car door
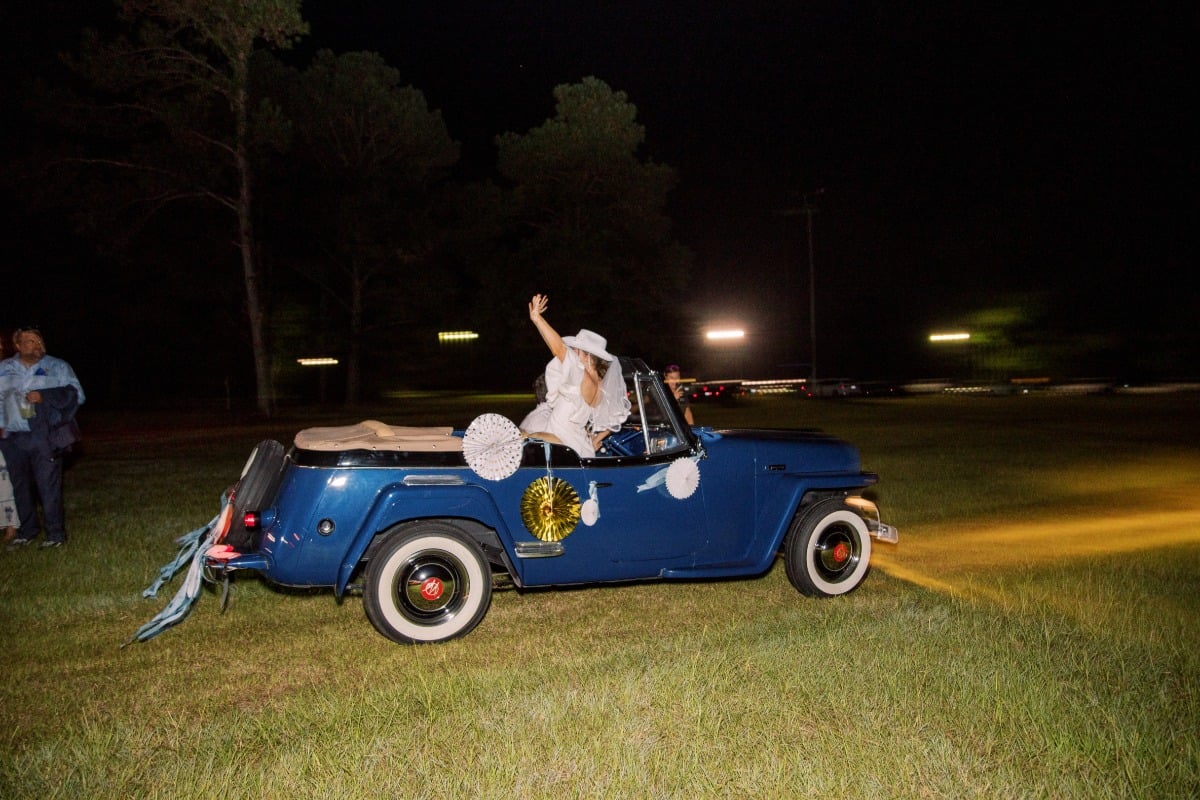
(643, 524)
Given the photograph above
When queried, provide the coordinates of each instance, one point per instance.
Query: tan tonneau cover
(374, 435)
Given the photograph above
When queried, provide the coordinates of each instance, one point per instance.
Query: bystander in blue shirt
(39, 394)
(18, 379)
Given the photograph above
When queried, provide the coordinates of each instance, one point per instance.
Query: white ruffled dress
(565, 413)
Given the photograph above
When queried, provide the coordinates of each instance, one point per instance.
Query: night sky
(967, 151)
(967, 155)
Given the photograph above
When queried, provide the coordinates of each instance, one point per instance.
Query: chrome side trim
(433, 480)
(539, 549)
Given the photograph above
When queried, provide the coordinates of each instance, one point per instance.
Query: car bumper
(221, 565)
(875, 525)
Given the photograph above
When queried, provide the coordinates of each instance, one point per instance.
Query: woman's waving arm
(537, 306)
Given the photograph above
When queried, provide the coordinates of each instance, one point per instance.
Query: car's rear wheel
(827, 552)
(427, 583)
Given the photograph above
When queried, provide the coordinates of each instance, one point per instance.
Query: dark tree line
(239, 209)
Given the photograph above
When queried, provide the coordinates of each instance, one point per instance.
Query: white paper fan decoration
(492, 445)
(683, 476)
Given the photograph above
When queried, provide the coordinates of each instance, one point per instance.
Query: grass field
(1036, 633)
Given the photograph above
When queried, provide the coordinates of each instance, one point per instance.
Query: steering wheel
(618, 444)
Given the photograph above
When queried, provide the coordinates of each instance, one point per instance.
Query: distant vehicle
(836, 387)
(882, 389)
(423, 521)
(717, 390)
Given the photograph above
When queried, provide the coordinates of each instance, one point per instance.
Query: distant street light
(730, 342)
(958, 343)
(457, 336)
(807, 208)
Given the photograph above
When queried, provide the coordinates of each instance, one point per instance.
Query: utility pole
(808, 208)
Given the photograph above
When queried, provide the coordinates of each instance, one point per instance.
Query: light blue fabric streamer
(655, 480)
(659, 478)
(189, 543)
(193, 547)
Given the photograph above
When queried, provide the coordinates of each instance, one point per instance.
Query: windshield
(654, 425)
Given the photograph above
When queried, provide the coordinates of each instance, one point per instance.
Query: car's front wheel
(828, 550)
(427, 583)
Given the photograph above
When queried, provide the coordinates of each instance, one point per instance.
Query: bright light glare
(457, 336)
(726, 334)
(949, 337)
(324, 361)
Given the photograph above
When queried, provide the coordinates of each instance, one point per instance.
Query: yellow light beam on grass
(959, 553)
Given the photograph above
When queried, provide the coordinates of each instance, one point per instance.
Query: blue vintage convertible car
(423, 521)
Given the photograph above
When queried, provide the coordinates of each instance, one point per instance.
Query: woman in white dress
(585, 399)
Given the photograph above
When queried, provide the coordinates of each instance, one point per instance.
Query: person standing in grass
(8, 505)
(671, 378)
(9, 521)
(40, 395)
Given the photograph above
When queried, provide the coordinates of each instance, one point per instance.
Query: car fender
(792, 499)
(401, 503)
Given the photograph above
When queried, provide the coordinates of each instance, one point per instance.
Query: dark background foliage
(1024, 173)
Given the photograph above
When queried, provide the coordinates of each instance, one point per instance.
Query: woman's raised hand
(537, 305)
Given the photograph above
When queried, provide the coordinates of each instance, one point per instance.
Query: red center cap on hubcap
(432, 588)
(841, 552)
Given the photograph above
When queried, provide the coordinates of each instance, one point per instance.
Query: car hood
(790, 451)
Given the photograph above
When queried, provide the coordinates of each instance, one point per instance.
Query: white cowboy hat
(589, 342)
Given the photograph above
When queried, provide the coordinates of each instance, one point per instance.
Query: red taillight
(251, 520)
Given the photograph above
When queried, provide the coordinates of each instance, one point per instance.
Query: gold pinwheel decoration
(550, 508)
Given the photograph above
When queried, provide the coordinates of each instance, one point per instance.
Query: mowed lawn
(1035, 633)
